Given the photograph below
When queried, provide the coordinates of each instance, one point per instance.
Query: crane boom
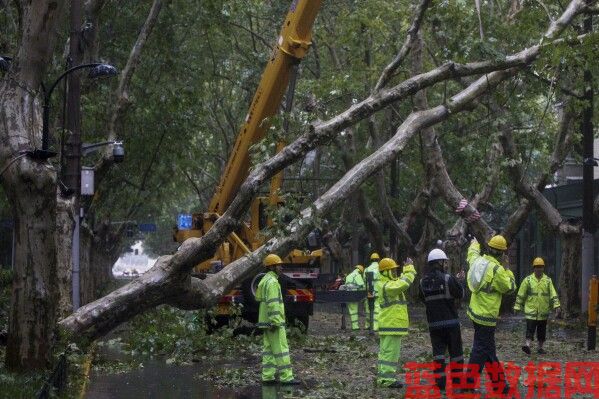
(292, 45)
(302, 266)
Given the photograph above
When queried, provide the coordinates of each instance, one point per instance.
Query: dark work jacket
(439, 291)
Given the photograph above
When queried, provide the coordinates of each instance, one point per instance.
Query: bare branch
(405, 48)
(122, 97)
(121, 94)
(532, 193)
(435, 164)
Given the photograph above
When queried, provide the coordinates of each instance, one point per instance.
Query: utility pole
(72, 173)
(588, 224)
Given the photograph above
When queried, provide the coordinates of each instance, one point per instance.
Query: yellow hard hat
(360, 268)
(538, 262)
(375, 256)
(387, 264)
(272, 260)
(498, 242)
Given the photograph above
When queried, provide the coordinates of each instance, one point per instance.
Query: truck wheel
(300, 321)
(248, 289)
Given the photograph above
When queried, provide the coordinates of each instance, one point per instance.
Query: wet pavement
(157, 380)
(154, 378)
(334, 363)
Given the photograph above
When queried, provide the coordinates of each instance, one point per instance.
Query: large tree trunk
(65, 223)
(34, 297)
(570, 274)
(31, 190)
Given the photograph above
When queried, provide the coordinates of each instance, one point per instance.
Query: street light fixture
(4, 63)
(118, 151)
(590, 162)
(98, 70)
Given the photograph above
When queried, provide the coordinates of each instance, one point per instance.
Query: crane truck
(301, 267)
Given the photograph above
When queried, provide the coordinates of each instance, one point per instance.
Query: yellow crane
(292, 45)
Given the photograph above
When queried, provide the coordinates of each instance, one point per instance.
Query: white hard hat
(436, 254)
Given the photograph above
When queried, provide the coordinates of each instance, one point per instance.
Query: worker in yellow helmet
(393, 318)
(489, 278)
(355, 282)
(371, 276)
(271, 319)
(537, 296)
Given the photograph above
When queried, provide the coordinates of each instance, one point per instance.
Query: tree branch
(121, 94)
(170, 276)
(405, 48)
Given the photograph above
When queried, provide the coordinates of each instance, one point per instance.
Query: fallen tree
(169, 281)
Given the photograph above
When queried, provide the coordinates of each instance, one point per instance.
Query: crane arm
(292, 45)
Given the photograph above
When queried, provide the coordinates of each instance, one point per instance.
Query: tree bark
(570, 274)
(65, 222)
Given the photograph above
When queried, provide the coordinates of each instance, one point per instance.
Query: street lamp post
(118, 154)
(98, 70)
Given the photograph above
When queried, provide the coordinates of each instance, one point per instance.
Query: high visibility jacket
(355, 279)
(268, 294)
(393, 317)
(373, 268)
(537, 296)
(486, 296)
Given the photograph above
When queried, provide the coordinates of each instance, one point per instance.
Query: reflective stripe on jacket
(374, 270)
(268, 294)
(393, 317)
(355, 279)
(486, 300)
(537, 296)
(439, 292)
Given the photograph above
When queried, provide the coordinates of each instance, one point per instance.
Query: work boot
(291, 382)
(526, 349)
(395, 384)
(541, 351)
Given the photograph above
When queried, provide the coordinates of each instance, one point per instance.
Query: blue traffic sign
(184, 221)
(147, 227)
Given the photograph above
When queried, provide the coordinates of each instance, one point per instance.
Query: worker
(488, 281)
(355, 282)
(271, 319)
(537, 296)
(371, 276)
(393, 318)
(439, 290)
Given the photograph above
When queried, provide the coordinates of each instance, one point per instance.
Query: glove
(472, 217)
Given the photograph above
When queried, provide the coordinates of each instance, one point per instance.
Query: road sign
(147, 227)
(184, 221)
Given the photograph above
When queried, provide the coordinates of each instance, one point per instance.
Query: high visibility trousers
(484, 353)
(352, 309)
(448, 339)
(390, 346)
(375, 316)
(275, 355)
